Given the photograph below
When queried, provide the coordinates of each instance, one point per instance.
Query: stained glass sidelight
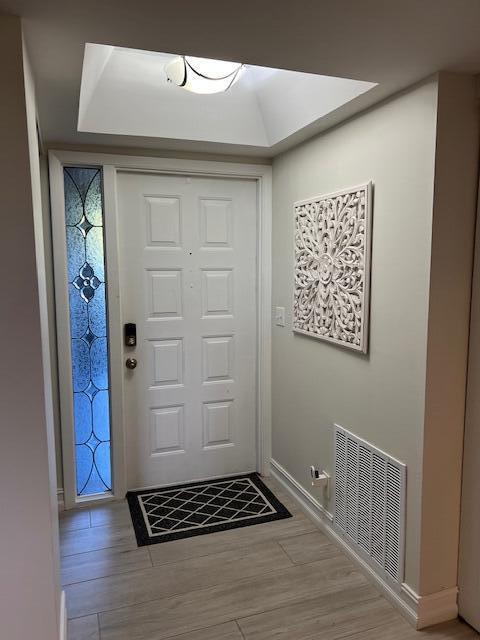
(88, 328)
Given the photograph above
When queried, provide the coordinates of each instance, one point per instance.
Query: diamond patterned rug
(193, 509)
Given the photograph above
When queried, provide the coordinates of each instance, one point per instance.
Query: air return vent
(370, 501)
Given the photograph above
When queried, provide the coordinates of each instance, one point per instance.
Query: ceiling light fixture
(203, 75)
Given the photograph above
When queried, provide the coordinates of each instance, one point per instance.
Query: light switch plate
(280, 316)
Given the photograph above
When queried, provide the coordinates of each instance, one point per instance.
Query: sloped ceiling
(126, 92)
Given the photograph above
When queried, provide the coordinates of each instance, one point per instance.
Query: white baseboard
(60, 500)
(306, 501)
(420, 611)
(433, 608)
(63, 618)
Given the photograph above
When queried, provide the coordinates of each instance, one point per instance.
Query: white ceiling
(126, 92)
(386, 41)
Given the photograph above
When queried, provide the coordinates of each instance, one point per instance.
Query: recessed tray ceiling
(126, 92)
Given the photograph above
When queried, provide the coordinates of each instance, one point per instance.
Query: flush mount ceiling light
(202, 75)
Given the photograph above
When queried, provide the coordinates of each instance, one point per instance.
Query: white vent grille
(370, 501)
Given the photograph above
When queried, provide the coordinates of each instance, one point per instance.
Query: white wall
(30, 600)
(393, 396)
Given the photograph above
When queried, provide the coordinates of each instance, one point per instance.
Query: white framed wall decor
(332, 267)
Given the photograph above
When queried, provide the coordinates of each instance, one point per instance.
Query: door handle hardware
(131, 363)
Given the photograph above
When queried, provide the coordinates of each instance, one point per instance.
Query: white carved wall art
(332, 267)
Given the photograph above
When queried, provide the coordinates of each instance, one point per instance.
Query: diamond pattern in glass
(88, 313)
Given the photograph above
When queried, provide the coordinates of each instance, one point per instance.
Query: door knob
(131, 363)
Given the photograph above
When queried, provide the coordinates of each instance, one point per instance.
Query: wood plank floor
(281, 580)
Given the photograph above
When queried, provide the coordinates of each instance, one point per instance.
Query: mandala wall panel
(332, 267)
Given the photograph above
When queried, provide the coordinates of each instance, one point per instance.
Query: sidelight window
(84, 218)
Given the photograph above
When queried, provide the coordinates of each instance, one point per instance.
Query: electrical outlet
(280, 316)
(320, 479)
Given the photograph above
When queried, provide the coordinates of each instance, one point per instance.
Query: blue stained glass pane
(93, 202)
(75, 251)
(97, 312)
(73, 203)
(82, 179)
(88, 326)
(95, 483)
(102, 459)
(101, 415)
(80, 364)
(82, 412)
(94, 252)
(84, 464)
(99, 363)
(78, 313)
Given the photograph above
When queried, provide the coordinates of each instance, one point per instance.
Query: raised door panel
(167, 362)
(165, 294)
(218, 424)
(216, 223)
(217, 292)
(163, 221)
(217, 355)
(167, 430)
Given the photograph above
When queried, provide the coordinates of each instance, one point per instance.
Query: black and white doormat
(193, 509)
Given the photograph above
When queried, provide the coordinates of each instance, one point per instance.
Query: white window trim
(111, 164)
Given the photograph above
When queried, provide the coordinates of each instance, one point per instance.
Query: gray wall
(29, 583)
(406, 396)
(380, 396)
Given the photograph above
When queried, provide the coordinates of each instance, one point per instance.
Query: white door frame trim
(111, 165)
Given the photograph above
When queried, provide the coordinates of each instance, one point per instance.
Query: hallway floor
(282, 579)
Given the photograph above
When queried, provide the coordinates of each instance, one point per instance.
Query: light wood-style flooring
(281, 580)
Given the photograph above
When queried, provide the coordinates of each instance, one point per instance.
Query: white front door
(187, 256)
